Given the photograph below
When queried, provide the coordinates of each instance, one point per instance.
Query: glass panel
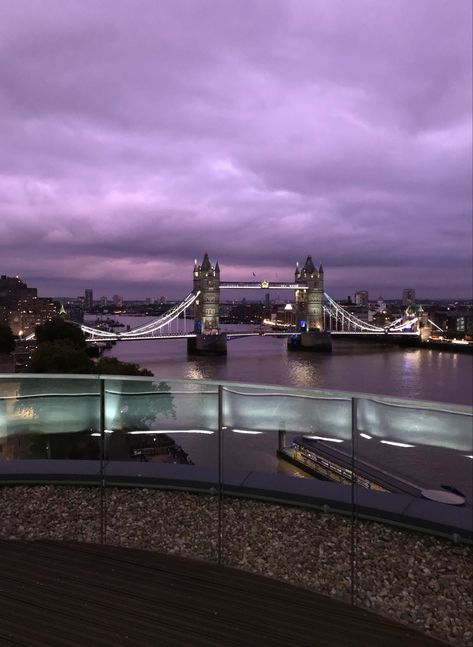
(277, 446)
(162, 436)
(420, 446)
(415, 474)
(50, 457)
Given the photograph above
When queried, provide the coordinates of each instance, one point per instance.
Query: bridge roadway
(236, 335)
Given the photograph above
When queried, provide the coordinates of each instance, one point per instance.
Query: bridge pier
(207, 345)
(315, 341)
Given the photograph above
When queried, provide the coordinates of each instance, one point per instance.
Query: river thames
(366, 367)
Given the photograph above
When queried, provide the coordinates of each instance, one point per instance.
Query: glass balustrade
(418, 456)
(163, 436)
(265, 433)
(50, 434)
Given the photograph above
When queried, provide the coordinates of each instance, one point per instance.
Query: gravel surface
(414, 578)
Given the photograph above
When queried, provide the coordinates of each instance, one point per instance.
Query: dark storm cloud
(137, 134)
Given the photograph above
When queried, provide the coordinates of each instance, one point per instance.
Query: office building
(20, 306)
(409, 297)
(361, 298)
(88, 300)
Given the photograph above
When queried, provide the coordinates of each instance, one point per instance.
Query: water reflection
(203, 368)
(412, 361)
(304, 373)
(195, 372)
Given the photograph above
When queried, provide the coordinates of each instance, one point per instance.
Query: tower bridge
(317, 315)
(308, 288)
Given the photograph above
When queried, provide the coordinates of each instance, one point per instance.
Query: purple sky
(136, 134)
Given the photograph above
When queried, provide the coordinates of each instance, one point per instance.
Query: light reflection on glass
(171, 431)
(395, 444)
(325, 438)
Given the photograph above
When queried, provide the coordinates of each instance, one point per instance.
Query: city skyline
(139, 135)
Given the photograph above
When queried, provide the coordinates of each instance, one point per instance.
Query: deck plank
(71, 595)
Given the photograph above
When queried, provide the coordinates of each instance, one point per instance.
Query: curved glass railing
(207, 469)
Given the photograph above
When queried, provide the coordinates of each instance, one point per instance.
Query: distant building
(117, 300)
(75, 312)
(103, 302)
(408, 297)
(14, 294)
(361, 298)
(20, 306)
(4, 315)
(381, 306)
(455, 319)
(88, 300)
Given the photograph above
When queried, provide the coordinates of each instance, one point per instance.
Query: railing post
(102, 460)
(220, 474)
(282, 435)
(354, 510)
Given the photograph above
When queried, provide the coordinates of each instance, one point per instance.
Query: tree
(59, 330)
(7, 340)
(60, 356)
(61, 348)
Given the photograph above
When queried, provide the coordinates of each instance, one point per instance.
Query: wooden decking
(55, 594)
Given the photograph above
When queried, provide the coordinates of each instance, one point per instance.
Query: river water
(354, 366)
(362, 366)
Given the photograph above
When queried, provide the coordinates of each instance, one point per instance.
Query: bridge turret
(206, 265)
(309, 267)
(196, 278)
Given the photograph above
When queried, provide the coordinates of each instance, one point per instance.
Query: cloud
(136, 135)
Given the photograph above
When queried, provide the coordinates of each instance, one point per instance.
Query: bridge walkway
(72, 595)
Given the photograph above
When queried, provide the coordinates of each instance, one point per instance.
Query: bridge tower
(309, 309)
(424, 326)
(209, 340)
(207, 305)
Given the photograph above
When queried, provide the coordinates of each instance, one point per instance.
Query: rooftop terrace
(82, 460)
